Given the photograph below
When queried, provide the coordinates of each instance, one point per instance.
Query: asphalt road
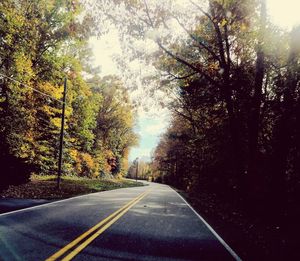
(11, 204)
(143, 223)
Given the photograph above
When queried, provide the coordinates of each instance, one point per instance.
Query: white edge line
(229, 249)
(56, 201)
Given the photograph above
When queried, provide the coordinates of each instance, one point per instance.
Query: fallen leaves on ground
(46, 188)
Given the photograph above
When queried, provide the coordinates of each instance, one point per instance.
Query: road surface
(11, 204)
(143, 223)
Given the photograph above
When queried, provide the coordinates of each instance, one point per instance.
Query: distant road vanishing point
(143, 223)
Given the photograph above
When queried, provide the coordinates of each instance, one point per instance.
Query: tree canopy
(42, 42)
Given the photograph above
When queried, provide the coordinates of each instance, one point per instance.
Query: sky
(284, 13)
(151, 124)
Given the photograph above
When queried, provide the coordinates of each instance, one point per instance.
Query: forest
(235, 128)
(233, 77)
(42, 43)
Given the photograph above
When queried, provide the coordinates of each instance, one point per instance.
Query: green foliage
(41, 43)
(115, 121)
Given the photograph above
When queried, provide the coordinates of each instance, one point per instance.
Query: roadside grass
(44, 187)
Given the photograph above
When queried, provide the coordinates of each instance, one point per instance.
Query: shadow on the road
(11, 204)
(158, 230)
(160, 227)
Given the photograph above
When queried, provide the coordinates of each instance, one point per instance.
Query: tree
(115, 121)
(42, 42)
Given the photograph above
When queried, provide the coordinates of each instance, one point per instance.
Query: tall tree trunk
(294, 67)
(234, 131)
(226, 90)
(287, 132)
(254, 117)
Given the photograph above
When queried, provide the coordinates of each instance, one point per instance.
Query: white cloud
(156, 128)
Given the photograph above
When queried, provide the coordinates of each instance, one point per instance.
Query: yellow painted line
(91, 230)
(100, 231)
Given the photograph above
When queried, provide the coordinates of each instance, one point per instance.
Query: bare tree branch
(209, 50)
(175, 77)
(211, 80)
(148, 14)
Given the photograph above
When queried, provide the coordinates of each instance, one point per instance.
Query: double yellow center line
(87, 237)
